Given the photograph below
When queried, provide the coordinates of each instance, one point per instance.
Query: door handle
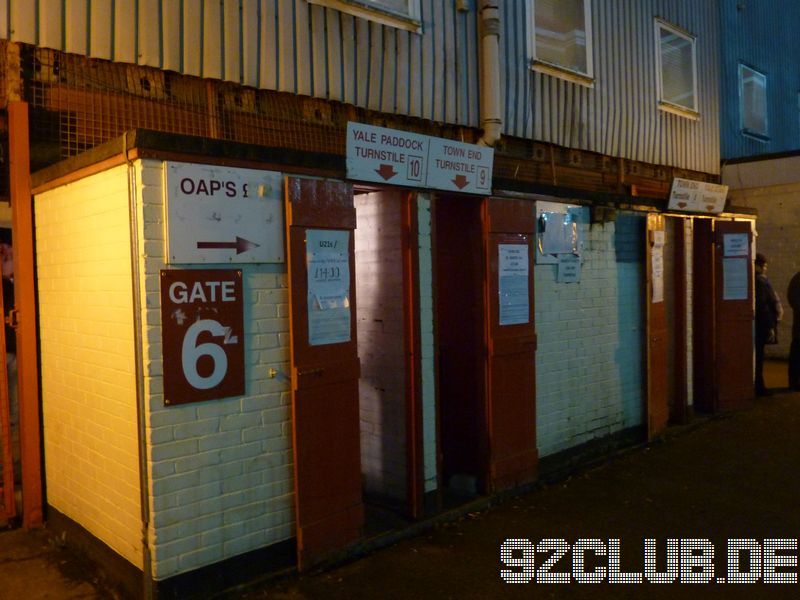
(312, 373)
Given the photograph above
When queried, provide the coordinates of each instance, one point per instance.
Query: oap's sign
(202, 334)
(223, 215)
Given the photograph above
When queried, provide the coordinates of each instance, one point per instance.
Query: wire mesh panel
(78, 103)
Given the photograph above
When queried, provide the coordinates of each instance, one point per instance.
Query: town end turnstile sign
(407, 159)
(697, 196)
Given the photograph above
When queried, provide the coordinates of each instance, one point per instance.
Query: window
(403, 14)
(753, 102)
(677, 70)
(561, 44)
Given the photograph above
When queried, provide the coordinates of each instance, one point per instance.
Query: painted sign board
(697, 196)
(223, 215)
(409, 159)
(386, 155)
(202, 334)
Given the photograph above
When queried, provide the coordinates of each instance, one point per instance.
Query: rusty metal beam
(25, 304)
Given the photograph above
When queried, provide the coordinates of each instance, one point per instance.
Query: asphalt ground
(733, 476)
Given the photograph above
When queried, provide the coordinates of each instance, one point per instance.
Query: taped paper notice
(569, 268)
(734, 278)
(657, 272)
(328, 268)
(736, 244)
(513, 284)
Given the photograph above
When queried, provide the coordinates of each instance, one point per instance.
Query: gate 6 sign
(202, 334)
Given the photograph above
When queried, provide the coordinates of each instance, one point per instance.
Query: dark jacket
(793, 295)
(766, 306)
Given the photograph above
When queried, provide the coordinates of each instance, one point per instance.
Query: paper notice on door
(734, 278)
(736, 244)
(328, 268)
(657, 272)
(513, 284)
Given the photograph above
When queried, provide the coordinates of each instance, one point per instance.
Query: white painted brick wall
(87, 358)
(220, 471)
(427, 358)
(778, 237)
(379, 293)
(590, 353)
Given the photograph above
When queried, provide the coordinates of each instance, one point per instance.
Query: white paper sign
(657, 272)
(734, 278)
(513, 282)
(569, 268)
(736, 244)
(328, 268)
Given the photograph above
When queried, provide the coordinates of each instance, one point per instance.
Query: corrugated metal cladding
(619, 116)
(284, 45)
(753, 30)
(292, 46)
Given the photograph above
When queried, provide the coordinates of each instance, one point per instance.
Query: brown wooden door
(703, 321)
(320, 218)
(657, 337)
(7, 503)
(733, 309)
(509, 227)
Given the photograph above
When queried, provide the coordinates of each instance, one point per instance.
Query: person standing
(793, 295)
(768, 312)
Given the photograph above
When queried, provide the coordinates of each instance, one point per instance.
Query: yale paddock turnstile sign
(398, 157)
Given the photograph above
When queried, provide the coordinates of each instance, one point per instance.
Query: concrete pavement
(730, 476)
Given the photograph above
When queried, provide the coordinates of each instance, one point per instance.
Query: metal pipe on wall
(489, 81)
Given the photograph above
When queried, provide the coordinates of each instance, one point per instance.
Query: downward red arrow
(460, 181)
(240, 245)
(386, 171)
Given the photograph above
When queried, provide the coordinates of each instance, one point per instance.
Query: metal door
(657, 340)
(509, 227)
(320, 218)
(733, 312)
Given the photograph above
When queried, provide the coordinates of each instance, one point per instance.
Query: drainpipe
(489, 27)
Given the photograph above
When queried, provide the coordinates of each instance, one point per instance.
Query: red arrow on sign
(386, 171)
(240, 245)
(461, 181)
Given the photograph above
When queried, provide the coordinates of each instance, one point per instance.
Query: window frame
(554, 69)
(365, 9)
(746, 131)
(665, 105)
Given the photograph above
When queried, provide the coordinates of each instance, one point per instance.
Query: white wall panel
(50, 30)
(212, 39)
(125, 28)
(76, 27)
(100, 42)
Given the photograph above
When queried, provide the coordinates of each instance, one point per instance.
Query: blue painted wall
(764, 35)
